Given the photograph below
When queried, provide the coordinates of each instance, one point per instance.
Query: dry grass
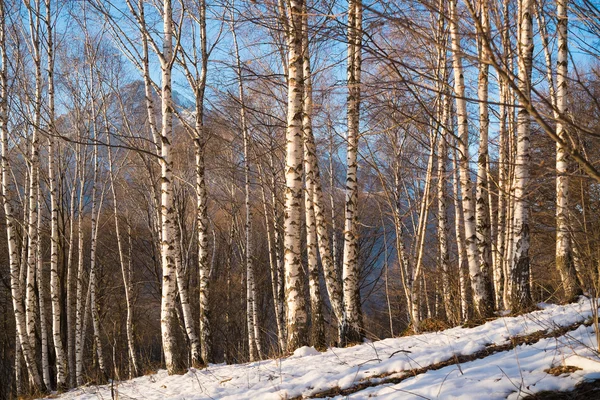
(562, 369)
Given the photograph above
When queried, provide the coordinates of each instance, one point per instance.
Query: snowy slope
(420, 366)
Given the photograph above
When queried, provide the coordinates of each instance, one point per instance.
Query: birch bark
(294, 274)
(482, 208)
(42, 299)
(315, 190)
(443, 112)
(79, 307)
(564, 247)
(13, 256)
(93, 247)
(442, 214)
(498, 273)
(71, 276)
(55, 292)
(310, 161)
(254, 347)
(132, 358)
(520, 293)
(184, 298)
(463, 277)
(31, 303)
(478, 281)
(277, 242)
(195, 67)
(168, 315)
(272, 262)
(352, 320)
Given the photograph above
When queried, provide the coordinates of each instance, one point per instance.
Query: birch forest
(186, 182)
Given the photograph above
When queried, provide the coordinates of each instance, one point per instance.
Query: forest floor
(535, 355)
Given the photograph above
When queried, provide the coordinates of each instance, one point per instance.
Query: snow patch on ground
(305, 351)
(513, 374)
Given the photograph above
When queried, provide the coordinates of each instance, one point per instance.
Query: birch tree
(125, 271)
(202, 209)
(79, 307)
(42, 301)
(442, 162)
(503, 186)
(71, 277)
(168, 316)
(96, 208)
(278, 245)
(296, 317)
(195, 67)
(13, 257)
(31, 303)
(520, 293)
(316, 307)
(274, 262)
(61, 363)
(463, 276)
(254, 347)
(564, 250)
(352, 324)
(478, 282)
(482, 207)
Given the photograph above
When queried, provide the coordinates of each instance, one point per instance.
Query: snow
(305, 351)
(514, 373)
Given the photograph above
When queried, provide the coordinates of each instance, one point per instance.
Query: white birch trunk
(70, 279)
(93, 247)
(510, 207)
(19, 384)
(498, 272)
(316, 307)
(352, 320)
(31, 303)
(13, 256)
(294, 274)
(55, 292)
(401, 253)
(442, 215)
(415, 275)
(125, 272)
(478, 282)
(272, 263)
(386, 275)
(168, 315)
(32, 233)
(253, 340)
(564, 247)
(254, 348)
(314, 192)
(196, 74)
(42, 298)
(79, 308)
(205, 331)
(186, 308)
(334, 247)
(520, 293)
(277, 242)
(443, 113)
(463, 278)
(204, 271)
(482, 208)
